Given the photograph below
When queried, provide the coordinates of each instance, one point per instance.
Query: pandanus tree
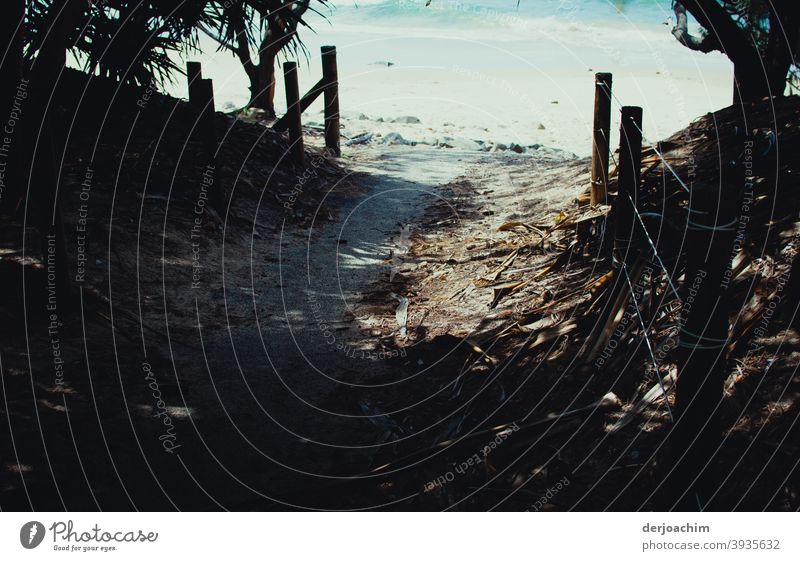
(131, 41)
(136, 42)
(127, 40)
(262, 28)
(760, 37)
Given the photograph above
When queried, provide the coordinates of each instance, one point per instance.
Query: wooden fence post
(194, 73)
(206, 113)
(293, 111)
(600, 138)
(627, 234)
(330, 75)
(201, 102)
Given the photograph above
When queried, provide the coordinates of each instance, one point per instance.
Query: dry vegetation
(516, 319)
(512, 299)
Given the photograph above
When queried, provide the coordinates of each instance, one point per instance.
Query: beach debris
(575, 319)
(381, 420)
(551, 154)
(459, 143)
(498, 292)
(393, 138)
(360, 139)
(401, 313)
(513, 224)
(478, 350)
(254, 113)
(407, 120)
(541, 127)
(551, 334)
(492, 277)
(400, 251)
(656, 393)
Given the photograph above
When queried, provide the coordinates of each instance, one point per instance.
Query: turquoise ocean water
(489, 14)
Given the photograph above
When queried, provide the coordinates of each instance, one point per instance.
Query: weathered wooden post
(330, 75)
(792, 308)
(293, 111)
(194, 73)
(627, 234)
(204, 110)
(600, 138)
(201, 102)
(206, 114)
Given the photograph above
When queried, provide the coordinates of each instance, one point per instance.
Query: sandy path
(264, 397)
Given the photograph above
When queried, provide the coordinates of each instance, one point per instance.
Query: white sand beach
(489, 72)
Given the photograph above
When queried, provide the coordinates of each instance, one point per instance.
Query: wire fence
(654, 145)
(653, 248)
(649, 344)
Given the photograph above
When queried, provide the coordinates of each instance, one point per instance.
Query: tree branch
(241, 46)
(704, 44)
(726, 33)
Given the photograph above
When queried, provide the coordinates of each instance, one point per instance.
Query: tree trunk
(732, 40)
(40, 163)
(755, 76)
(11, 67)
(262, 84)
(696, 435)
(262, 75)
(750, 84)
(784, 24)
(263, 97)
(11, 86)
